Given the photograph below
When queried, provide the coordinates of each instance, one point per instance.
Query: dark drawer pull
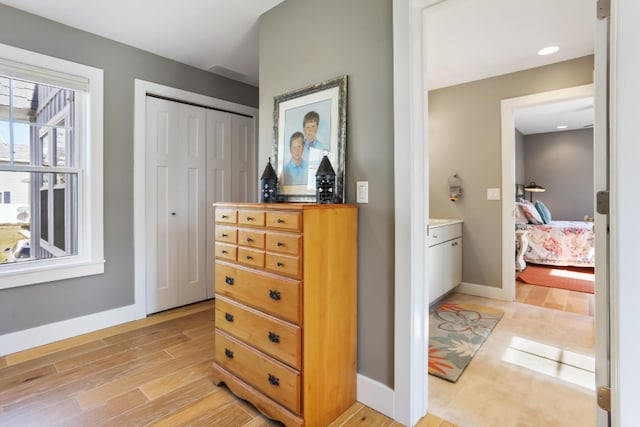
(249, 239)
(228, 353)
(225, 235)
(225, 251)
(228, 317)
(273, 380)
(249, 257)
(224, 217)
(280, 221)
(273, 337)
(279, 264)
(228, 280)
(280, 244)
(275, 295)
(249, 218)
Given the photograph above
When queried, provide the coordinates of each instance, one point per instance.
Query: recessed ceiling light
(548, 50)
(562, 127)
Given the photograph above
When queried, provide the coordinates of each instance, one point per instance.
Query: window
(50, 168)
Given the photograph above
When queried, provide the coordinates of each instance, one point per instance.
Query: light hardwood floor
(155, 371)
(559, 299)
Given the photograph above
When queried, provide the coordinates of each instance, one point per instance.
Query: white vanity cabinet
(445, 256)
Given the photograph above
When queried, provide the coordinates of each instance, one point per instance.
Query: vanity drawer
(436, 236)
(274, 295)
(268, 334)
(452, 231)
(274, 379)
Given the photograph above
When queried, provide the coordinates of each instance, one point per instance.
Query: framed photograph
(519, 192)
(308, 124)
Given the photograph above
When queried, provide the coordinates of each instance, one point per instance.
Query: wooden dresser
(286, 308)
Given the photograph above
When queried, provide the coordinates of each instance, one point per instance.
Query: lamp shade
(534, 188)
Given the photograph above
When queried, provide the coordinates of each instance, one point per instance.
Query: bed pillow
(544, 211)
(531, 213)
(520, 217)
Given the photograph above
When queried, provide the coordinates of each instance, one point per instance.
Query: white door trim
(411, 207)
(141, 90)
(508, 291)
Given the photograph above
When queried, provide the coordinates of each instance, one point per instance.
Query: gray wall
(562, 162)
(308, 41)
(464, 136)
(29, 306)
(520, 179)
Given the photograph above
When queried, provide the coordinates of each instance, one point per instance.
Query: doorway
(412, 205)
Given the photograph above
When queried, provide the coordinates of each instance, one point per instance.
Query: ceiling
(467, 39)
(202, 33)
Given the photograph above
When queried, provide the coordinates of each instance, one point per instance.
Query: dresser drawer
(291, 221)
(286, 243)
(268, 334)
(251, 257)
(225, 251)
(226, 234)
(283, 264)
(251, 238)
(272, 378)
(278, 296)
(226, 215)
(251, 217)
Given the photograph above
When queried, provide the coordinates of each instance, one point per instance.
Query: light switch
(362, 191)
(493, 194)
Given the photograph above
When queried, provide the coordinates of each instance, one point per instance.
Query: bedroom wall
(464, 136)
(30, 306)
(562, 162)
(324, 40)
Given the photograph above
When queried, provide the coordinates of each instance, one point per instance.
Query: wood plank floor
(152, 372)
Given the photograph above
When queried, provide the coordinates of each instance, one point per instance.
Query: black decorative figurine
(325, 182)
(269, 185)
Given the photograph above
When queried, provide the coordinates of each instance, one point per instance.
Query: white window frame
(89, 131)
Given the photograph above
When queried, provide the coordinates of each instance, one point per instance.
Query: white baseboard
(22, 340)
(483, 291)
(375, 395)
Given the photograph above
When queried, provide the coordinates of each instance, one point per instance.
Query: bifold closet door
(175, 204)
(231, 166)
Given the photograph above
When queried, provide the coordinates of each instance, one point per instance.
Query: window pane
(50, 102)
(20, 96)
(38, 205)
(61, 148)
(4, 99)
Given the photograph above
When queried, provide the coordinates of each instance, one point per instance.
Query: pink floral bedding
(560, 243)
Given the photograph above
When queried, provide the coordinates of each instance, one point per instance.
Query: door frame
(143, 88)
(411, 208)
(508, 173)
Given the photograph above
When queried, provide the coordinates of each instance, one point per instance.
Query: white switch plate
(493, 194)
(362, 190)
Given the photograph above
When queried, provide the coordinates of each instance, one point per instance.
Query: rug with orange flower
(456, 332)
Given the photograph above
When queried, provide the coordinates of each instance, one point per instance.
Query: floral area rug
(456, 332)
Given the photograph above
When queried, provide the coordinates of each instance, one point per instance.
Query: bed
(558, 243)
